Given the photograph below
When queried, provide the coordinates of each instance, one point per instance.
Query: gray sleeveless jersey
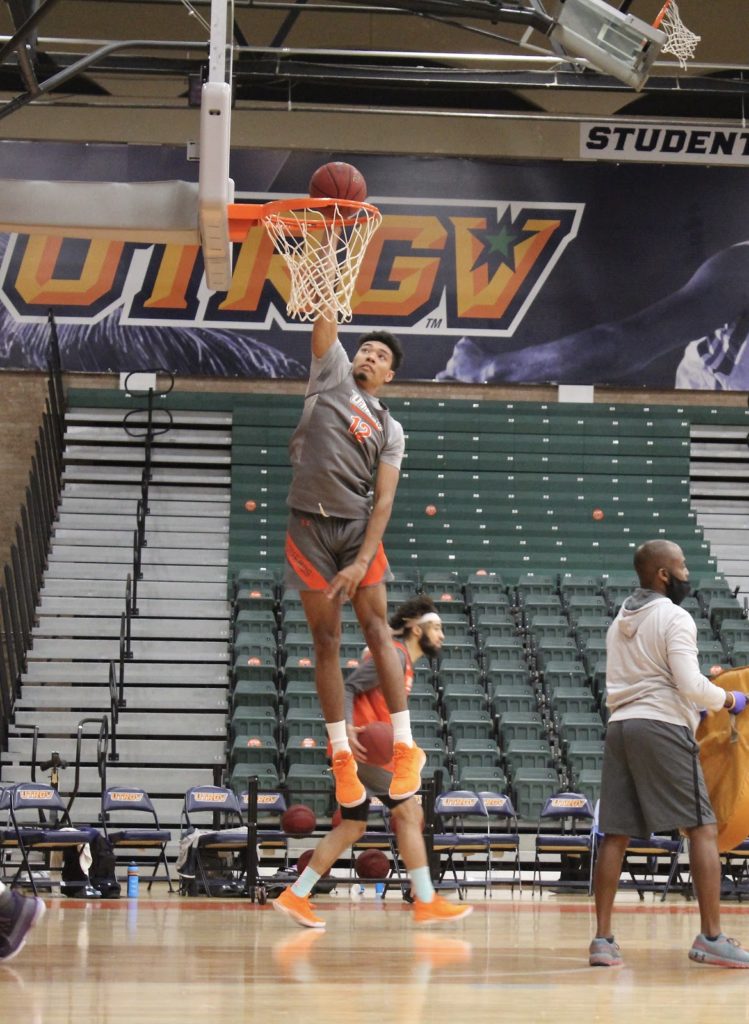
(342, 435)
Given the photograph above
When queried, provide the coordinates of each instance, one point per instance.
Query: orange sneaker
(439, 911)
(407, 765)
(349, 792)
(299, 908)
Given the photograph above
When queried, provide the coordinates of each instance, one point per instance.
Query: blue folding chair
(227, 835)
(33, 799)
(132, 800)
(455, 843)
(498, 806)
(572, 841)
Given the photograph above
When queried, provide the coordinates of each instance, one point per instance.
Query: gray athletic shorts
(317, 547)
(652, 779)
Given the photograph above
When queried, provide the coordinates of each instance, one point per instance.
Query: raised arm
(718, 293)
(324, 334)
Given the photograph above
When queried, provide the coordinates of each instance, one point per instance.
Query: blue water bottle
(133, 882)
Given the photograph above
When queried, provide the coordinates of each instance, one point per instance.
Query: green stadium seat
(254, 750)
(528, 754)
(478, 779)
(531, 788)
(510, 701)
(254, 721)
(311, 785)
(266, 773)
(733, 631)
(470, 724)
(526, 725)
(307, 750)
(255, 693)
(475, 753)
(720, 608)
(302, 723)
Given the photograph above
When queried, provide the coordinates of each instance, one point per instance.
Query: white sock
(421, 884)
(305, 883)
(338, 736)
(402, 727)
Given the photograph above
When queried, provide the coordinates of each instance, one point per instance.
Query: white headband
(410, 623)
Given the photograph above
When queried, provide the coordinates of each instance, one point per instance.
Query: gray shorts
(317, 547)
(376, 781)
(652, 779)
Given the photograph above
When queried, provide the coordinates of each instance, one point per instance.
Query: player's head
(660, 565)
(417, 618)
(378, 356)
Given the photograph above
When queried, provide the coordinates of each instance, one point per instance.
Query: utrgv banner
(501, 272)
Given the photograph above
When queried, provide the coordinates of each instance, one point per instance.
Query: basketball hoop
(323, 242)
(680, 41)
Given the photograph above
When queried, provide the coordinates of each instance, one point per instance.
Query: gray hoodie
(652, 666)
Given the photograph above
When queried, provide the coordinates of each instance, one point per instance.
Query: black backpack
(101, 880)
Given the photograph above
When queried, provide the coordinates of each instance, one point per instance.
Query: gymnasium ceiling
(340, 55)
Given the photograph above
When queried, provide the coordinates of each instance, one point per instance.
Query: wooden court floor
(176, 960)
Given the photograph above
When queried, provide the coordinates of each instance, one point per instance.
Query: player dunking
(419, 631)
(345, 441)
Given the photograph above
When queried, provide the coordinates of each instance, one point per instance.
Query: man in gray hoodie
(652, 779)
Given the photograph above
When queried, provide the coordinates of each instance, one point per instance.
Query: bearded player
(418, 631)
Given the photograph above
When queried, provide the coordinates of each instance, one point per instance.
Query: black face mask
(677, 590)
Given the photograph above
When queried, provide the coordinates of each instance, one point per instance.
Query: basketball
(372, 864)
(298, 820)
(337, 818)
(377, 740)
(338, 180)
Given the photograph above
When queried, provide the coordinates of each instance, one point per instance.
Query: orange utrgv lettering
(414, 275)
(173, 278)
(37, 285)
(478, 295)
(257, 264)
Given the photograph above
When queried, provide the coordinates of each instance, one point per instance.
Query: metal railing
(148, 430)
(22, 576)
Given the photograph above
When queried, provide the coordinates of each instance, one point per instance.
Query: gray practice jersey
(341, 437)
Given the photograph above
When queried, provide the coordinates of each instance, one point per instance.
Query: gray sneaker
(720, 952)
(603, 953)
(15, 925)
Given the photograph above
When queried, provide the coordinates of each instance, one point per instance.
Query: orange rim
(242, 215)
(662, 14)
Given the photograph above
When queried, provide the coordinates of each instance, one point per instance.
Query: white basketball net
(323, 249)
(680, 41)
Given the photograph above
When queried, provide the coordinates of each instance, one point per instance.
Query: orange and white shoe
(299, 908)
(349, 791)
(439, 911)
(407, 765)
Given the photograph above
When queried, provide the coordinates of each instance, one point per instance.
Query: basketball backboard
(615, 43)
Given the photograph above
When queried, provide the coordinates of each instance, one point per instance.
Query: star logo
(498, 244)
